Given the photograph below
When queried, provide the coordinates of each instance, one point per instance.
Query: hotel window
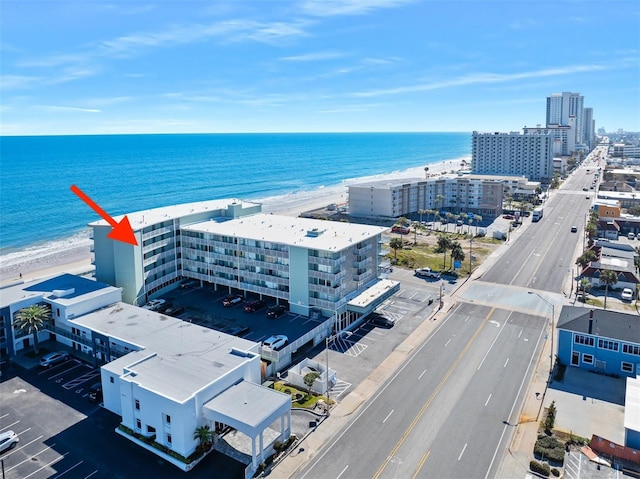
(167, 419)
(137, 405)
(631, 349)
(587, 358)
(168, 438)
(580, 339)
(606, 344)
(138, 424)
(627, 367)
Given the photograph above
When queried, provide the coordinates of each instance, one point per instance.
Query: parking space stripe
(93, 473)
(46, 465)
(31, 456)
(70, 469)
(8, 426)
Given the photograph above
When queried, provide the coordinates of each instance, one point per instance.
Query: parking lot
(65, 435)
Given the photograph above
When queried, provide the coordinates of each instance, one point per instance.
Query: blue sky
(93, 67)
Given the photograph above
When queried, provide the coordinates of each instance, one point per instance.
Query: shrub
(555, 472)
(543, 469)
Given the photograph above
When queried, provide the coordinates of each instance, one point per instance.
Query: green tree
(31, 320)
(415, 226)
(309, 379)
(550, 420)
(634, 210)
(457, 253)
(422, 212)
(403, 221)
(444, 244)
(449, 216)
(439, 201)
(585, 258)
(204, 435)
(608, 278)
(395, 244)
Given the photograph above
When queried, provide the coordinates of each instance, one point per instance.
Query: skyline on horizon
(313, 66)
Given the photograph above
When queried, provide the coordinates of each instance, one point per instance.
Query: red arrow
(121, 231)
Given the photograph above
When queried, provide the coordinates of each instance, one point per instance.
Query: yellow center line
(432, 397)
(421, 463)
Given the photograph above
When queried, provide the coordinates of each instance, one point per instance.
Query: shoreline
(76, 258)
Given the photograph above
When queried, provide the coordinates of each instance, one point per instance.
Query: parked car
(154, 304)
(459, 223)
(631, 236)
(8, 440)
(426, 273)
(381, 320)
(276, 342)
(276, 311)
(254, 305)
(627, 294)
(52, 359)
(95, 392)
(192, 283)
(231, 300)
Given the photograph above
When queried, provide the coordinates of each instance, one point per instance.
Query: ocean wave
(48, 248)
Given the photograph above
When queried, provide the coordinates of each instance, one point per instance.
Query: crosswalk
(339, 389)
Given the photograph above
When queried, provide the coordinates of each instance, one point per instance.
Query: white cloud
(66, 108)
(312, 57)
(324, 8)
(481, 78)
(15, 82)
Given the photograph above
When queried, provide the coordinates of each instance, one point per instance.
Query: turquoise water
(125, 173)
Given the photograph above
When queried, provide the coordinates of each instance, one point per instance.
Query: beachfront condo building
(477, 194)
(311, 265)
(513, 154)
(563, 106)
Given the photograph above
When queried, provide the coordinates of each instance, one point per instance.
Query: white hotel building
(522, 154)
(315, 266)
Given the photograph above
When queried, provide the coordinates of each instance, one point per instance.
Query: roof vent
(315, 232)
(61, 293)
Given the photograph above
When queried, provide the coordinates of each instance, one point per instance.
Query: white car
(426, 273)
(627, 294)
(8, 440)
(276, 342)
(154, 304)
(52, 359)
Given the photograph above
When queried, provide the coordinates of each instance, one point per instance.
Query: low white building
(170, 377)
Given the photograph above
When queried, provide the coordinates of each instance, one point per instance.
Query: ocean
(126, 173)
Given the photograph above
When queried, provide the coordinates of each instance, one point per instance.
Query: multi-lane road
(444, 413)
(450, 410)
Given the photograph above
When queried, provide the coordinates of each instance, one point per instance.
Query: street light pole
(327, 371)
(552, 321)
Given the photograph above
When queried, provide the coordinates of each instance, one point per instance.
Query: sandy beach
(77, 258)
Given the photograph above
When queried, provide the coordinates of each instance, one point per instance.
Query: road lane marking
(92, 474)
(421, 463)
(433, 395)
(505, 363)
(343, 471)
(462, 452)
(422, 374)
(388, 416)
(494, 340)
(524, 377)
(447, 343)
(520, 334)
(485, 404)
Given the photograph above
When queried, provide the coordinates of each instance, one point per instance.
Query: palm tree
(585, 258)
(205, 436)
(439, 202)
(478, 220)
(449, 218)
(426, 172)
(395, 244)
(422, 212)
(457, 253)
(32, 320)
(444, 244)
(415, 225)
(608, 277)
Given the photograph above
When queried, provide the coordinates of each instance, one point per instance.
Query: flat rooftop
(175, 358)
(64, 289)
(303, 232)
(141, 219)
(394, 183)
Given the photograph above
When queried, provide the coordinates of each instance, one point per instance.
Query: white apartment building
(155, 264)
(563, 136)
(561, 107)
(170, 377)
(311, 264)
(478, 194)
(68, 296)
(513, 154)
